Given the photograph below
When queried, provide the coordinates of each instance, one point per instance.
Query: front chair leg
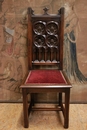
(66, 114)
(25, 107)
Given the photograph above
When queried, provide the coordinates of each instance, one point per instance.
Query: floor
(11, 118)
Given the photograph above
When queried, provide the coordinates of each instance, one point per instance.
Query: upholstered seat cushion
(46, 76)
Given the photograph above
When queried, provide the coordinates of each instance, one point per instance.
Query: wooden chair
(45, 45)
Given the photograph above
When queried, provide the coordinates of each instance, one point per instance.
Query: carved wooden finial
(58, 11)
(30, 11)
(46, 11)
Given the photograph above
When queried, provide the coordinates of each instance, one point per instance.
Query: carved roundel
(52, 41)
(39, 28)
(39, 40)
(52, 28)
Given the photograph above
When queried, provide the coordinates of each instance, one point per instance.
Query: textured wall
(13, 46)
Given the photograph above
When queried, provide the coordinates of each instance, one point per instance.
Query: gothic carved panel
(39, 28)
(52, 28)
(46, 41)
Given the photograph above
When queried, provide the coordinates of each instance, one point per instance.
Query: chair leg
(66, 114)
(25, 108)
(60, 99)
(31, 103)
(32, 99)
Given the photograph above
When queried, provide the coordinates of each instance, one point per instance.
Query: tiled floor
(11, 118)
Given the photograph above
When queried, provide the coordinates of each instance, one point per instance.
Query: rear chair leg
(32, 99)
(60, 99)
(31, 103)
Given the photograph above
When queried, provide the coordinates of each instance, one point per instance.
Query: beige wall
(13, 51)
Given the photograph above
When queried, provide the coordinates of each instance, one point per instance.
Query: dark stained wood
(66, 113)
(45, 38)
(30, 37)
(61, 37)
(45, 45)
(25, 108)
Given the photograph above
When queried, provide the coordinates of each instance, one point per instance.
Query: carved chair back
(45, 38)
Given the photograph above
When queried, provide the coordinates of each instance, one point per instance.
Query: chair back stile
(30, 38)
(61, 38)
